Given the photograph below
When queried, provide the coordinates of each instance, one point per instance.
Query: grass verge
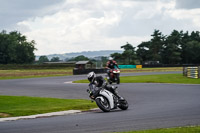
(11, 106)
(191, 129)
(162, 69)
(163, 78)
(32, 73)
(37, 73)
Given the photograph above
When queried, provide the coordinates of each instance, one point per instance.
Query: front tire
(118, 79)
(123, 104)
(109, 80)
(103, 105)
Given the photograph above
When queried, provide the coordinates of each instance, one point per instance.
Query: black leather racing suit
(99, 81)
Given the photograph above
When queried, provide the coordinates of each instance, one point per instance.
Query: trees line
(177, 48)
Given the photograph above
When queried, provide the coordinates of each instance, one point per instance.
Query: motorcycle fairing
(109, 96)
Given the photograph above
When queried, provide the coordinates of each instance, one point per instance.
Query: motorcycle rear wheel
(103, 105)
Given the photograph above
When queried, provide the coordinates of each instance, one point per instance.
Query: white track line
(40, 115)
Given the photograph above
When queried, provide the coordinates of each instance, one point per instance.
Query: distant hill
(89, 54)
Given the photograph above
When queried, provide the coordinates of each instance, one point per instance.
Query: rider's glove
(114, 87)
(91, 95)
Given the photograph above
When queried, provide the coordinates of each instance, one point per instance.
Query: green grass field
(37, 73)
(191, 129)
(33, 73)
(159, 69)
(163, 78)
(21, 105)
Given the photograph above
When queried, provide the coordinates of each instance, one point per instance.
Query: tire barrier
(191, 72)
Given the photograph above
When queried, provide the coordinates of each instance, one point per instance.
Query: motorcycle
(106, 100)
(114, 76)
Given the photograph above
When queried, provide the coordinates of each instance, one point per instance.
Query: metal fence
(192, 72)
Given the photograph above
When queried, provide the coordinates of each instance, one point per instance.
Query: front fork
(116, 102)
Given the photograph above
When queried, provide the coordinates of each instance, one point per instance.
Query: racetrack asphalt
(151, 105)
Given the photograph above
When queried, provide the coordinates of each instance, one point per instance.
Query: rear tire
(103, 105)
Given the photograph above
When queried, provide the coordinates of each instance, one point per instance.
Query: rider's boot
(108, 73)
(115, 92)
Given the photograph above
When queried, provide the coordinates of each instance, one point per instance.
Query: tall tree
(129, 53)
(193, 54)
(156, 46)
(14, 48)
(117, 57)
(185, 38)
(189, 47)
(143, 53)
(171, 53)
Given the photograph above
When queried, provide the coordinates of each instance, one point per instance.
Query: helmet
(91, 76)
(110, 58)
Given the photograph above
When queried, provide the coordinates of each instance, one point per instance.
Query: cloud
(72, 29)
(188, 16)
(13, 11)
(187, 4)
(84, 25)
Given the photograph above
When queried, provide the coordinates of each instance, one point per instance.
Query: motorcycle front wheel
(103, 103)
(123, 104)
(118, 79)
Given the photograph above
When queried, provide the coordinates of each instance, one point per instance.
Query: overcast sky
(63, 26)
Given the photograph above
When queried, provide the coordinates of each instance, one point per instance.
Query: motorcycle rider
(99, 81)
(111, 64)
